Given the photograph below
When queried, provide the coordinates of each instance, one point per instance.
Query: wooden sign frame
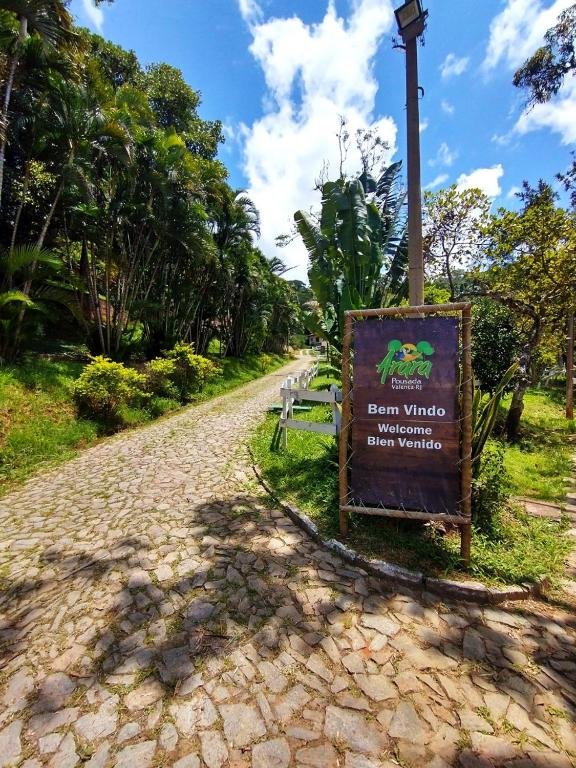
(461, 518)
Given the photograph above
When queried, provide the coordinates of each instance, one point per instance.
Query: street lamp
(411, 20)
(406, 15)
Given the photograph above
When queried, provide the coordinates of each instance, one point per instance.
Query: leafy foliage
(545, 71)
(495, 343)
(190, 372)
(489, 489)
(529, 267)
(160, 374)
(105, 387)
(454, 236)
(111, 167)
(485, 411)
(357, 249)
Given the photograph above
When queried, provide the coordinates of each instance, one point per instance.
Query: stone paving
(155, 612)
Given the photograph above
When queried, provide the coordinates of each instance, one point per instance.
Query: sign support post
(466, 449)
(345, 425)
(445, 429)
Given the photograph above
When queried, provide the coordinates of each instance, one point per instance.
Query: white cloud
(250, 11)
(447, 107)
(95, 15)
(452, 66)
(485, 179)
(502, 139)
(424, 124)
(308, 89)
(558, 115)
(512, 192)
(519, 30)
(438, 181)
(444, 156)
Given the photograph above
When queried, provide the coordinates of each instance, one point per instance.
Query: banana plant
(357, 249)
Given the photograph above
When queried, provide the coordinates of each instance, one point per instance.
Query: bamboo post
(345, 427)
(466, 456)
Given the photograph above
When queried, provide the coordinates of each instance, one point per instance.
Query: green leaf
(15, 296)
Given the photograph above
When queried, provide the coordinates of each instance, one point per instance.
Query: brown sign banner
(405, 419)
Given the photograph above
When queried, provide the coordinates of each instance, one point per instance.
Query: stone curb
(397, 576)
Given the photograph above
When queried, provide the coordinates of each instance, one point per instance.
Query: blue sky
(278, 73)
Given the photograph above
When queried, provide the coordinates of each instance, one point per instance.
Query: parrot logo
(406, 359)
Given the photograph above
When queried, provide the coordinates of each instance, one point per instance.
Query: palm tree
(76, 135)
(14, 266)
(51, 22)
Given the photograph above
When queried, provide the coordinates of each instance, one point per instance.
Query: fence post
(336, 419)
(287, 385)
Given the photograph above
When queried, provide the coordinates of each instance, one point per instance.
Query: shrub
(160, 376)
(104, 388)
(191, 371)
(489, 492)
(495, 343)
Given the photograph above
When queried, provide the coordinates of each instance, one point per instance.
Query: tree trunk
(515, 411)
(524, 381)
(20, 207)
(28, 284)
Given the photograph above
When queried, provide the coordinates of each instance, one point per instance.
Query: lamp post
(411, 22)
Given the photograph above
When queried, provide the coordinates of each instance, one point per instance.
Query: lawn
(518, 549)
(38, 422)
(538, 464)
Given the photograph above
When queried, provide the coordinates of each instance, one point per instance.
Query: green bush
(104, 388)
(160, 376)
(191, 371)
(496, 342)
(489, 490)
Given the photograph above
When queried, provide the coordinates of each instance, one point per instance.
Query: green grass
(520, 549)
(539, 462)
(38, 423)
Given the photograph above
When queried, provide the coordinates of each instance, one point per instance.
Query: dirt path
(154, 612)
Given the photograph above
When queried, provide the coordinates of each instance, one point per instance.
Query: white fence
(295, 389)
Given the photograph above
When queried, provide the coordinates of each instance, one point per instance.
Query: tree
(545, 71)
(453, 230)
(357, 249)
(543, 74)
(51, 22)
(530, 266)
(112, 168)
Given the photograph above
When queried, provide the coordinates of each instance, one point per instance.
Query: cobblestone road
(154, 612)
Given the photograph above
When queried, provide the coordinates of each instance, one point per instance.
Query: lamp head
(410, 19)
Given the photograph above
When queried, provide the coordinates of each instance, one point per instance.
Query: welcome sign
(405, 418)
